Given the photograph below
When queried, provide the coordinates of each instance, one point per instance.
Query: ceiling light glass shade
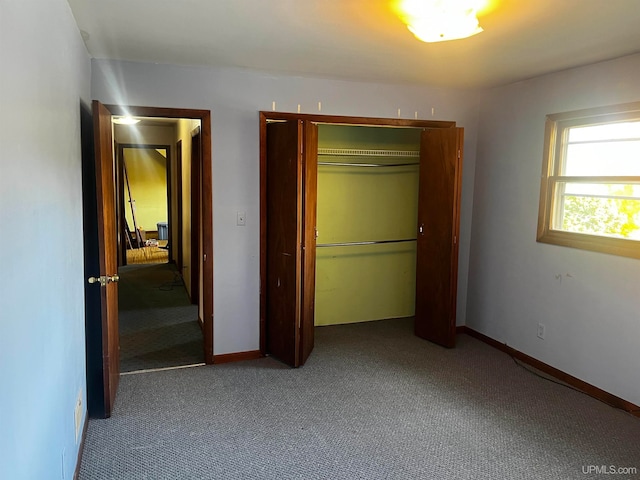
(441, 28)
(125, 120)
(441, 20)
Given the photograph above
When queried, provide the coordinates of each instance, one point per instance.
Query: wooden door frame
(207, 203)
(121, 209)
(266, 116)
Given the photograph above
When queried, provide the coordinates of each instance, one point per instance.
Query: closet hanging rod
(359, 152)
(349, 244)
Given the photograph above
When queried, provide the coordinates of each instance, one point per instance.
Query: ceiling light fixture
(441, 20)
(126, 120)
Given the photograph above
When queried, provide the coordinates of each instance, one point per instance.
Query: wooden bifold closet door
(289, 172)
(291, 184)
(438, 227)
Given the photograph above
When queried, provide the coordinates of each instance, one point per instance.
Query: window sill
(595, 243)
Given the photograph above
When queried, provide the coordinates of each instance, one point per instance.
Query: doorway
(102, 334)
(158, 322)
(144, 185)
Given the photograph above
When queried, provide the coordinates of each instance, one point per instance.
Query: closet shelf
(376, 242)
(343, 164)
(356, 152)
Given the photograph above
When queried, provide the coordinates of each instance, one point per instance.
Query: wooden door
(179, 205)
(290, 246)
(194, 261)
(92, 294)
(438, 228)
(123, 236)
(107, 246)
(309, 209)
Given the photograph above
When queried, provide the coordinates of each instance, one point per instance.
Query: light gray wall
(152, 135)
(588, 301)
(235, 97)
(44, 74)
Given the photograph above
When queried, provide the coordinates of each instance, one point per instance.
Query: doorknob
(421, 229)
(103, 280)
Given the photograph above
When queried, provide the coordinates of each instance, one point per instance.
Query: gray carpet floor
(158, 325)
(372, 402)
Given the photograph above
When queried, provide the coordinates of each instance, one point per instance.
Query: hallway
(158, 324)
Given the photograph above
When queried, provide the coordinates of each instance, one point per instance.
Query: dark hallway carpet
(158, 326)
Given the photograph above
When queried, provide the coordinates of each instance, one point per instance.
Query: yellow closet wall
(147, 172)
(369, 282)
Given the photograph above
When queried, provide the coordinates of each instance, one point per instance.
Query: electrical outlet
(78, 415)
(541, 331)
(241, 219)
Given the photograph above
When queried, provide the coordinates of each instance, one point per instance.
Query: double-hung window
(590, 188)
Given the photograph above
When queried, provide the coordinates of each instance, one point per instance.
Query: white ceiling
(360, 39)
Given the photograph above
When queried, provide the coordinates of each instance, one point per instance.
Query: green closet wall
(368, 282)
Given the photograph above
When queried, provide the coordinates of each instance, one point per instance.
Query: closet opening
(359, 223)
(367, 210)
